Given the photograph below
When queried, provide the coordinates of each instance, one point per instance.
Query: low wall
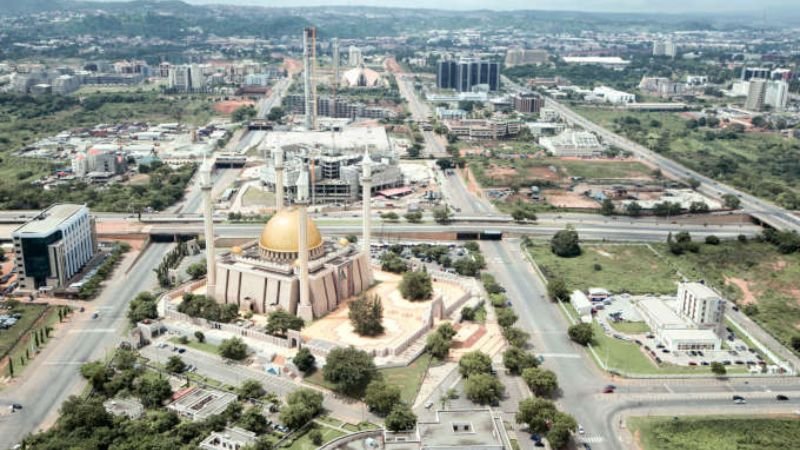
(357, 436)
(250, 333)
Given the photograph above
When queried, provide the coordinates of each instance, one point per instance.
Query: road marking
(94, 330)
(591, 439)
(560, 355)
(669, 389)
(63, 363)
(766, 389)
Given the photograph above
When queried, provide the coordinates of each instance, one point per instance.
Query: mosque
(291, 266)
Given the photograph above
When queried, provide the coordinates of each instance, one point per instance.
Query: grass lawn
(750, 272)
(304, 442)
(407, 378)
(630, 327)
(257, 197)
(202, 346)
(716, 433)
(34, 317)
(634, 269)
(363, 426)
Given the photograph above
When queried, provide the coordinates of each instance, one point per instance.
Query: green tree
(315, 436)
(516, 360)
(712, 240)
(607, 207)
(175, 364)
(581, 333)
(153, 390)
(199, 336)
(390, 216)
(302, 405)
(242, 113)
(251, 389)
(366, 315)
(483, 388)
(474, 362)
(233, 348)
(731, 201)
(536, 413)
(565, 243)
(10, 367)
(693, 183)
(718, 369)
(557, 290)
(350, 370)
(381, 397)
(97, 374)
(542, 382)
(437, 345)
(304, 360)
(197, 270)
(442, 215)
(561, 431)
(142, 307)
(506, 317)
(253, 420)
(416, 285)
(413, 217)
(401, 418)
(516, 337)
(699, 208)
(280, 321)
(633, 209)
(391, 262)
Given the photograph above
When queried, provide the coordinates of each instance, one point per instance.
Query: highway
(611, 230)
(54, 374)
(420, 113)
(581, 381)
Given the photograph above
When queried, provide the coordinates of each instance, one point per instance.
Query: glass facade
(37, 258)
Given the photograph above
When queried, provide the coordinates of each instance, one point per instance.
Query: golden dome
(280, 234)
(236, 250)
(344, 242)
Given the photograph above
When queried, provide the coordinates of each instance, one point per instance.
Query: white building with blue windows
(54, 246)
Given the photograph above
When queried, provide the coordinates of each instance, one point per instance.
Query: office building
(777, 95)
(664, 48)
(527, 102)
(230, 439)
(467, 73)
(760, 73)
(521, 57)
(469, 429)
(782, 75)
(673, 331)
(701, 305)
(572, 143)
(354, 56)
(54, 246)
(605, 94)
(186, 78)
(756, 95)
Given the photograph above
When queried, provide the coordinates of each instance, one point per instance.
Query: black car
(16, 406)
(781, 398)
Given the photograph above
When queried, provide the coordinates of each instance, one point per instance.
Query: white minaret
(278, 179)
(309, 42)
(366, 195)
(208, 213)
(304, 309)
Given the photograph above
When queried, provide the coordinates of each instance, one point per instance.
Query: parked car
(781, 398)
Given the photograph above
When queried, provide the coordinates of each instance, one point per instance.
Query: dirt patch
(779, 264)
(293, 66)
(747, 295)
(229, 106)
(472, 183)
(603, 253)
(564, 199)
(543, 173)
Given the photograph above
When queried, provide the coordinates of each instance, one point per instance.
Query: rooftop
(662, 313)
(690, 335)
(700, 290)
(462, 429)
(49, 219)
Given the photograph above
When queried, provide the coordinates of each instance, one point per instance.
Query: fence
(357, 436)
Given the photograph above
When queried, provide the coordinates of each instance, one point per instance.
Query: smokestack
(309, 44)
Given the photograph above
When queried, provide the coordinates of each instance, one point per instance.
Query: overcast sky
(674, 6)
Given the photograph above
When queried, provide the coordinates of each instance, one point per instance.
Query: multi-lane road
(54, 374)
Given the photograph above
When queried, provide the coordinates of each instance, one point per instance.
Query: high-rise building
(54, 246)
(527, 102)
(468, 73)
(522, 56)
(782, 75)
(354, 56)
(777, 95)
(664, 48)
(749, 73)
(756, 95)
(186, 78)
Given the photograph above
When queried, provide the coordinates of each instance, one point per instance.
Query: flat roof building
(229, 439)
(478, 429)
(582, 144)
(198, 403)
(54, 246)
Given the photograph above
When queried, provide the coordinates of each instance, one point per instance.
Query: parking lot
(735, 351)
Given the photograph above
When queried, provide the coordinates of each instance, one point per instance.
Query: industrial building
(54, 246)
(468, 73)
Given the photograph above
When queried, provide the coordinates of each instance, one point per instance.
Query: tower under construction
(309, 88)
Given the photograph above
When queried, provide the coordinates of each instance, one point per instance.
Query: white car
(580, 429)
